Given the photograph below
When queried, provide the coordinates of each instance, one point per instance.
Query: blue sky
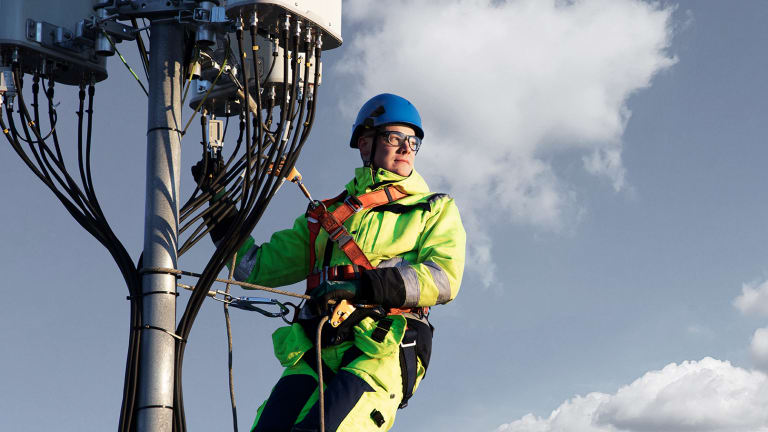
(610, 235)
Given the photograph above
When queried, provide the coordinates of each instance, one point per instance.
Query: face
(399, 160)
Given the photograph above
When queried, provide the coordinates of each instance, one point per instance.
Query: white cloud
(506, 86)
(759, 349)
(573, 415)
(708, 395)
(753, 299)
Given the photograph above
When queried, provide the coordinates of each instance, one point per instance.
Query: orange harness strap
(333, 223)
(342, 272)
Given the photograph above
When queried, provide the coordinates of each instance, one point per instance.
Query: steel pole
(155, 398)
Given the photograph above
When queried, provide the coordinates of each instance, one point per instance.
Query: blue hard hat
(385, 109)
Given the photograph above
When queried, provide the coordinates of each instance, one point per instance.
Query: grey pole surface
(155, 398)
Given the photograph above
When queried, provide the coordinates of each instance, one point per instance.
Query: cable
(142, 48)
(246, 180)
(213, 84)
(48, 165)
(125, 63)
(195, 58)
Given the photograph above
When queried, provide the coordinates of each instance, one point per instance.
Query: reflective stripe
(410, 279)
(245, 266)
(441, 281)
(392, 262)
(412, 285)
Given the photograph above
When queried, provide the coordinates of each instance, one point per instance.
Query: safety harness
(318, 217)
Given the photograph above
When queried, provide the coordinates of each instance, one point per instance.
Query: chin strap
(371, 156)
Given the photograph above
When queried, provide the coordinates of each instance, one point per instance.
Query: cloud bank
(504, 87)
(704, 396)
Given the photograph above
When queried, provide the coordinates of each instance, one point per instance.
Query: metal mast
(155, 400)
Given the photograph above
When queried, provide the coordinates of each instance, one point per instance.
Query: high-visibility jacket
(417, 243)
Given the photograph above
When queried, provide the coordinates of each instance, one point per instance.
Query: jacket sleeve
(283, 260)
(435, 277)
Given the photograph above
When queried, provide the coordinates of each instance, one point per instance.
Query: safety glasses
(397, 139)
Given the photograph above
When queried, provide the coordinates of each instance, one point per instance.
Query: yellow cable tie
(6, 131)
(31, 123)
(255, 47)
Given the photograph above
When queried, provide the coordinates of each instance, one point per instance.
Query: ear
(364, 142)
(364, 145)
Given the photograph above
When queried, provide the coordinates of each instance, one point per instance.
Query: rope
(229, 281)
(229, 346)
(319, 353)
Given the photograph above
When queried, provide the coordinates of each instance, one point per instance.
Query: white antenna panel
(47, 36)
(325, 14)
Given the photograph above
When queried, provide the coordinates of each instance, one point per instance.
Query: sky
(607, 157)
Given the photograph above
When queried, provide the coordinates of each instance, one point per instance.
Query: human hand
(333, 291)
(204, 174)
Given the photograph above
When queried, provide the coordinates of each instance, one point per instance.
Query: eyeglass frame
(404, 137)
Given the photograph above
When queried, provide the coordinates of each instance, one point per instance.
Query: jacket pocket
(379, 339)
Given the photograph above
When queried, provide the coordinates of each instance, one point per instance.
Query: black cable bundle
(78, 198)
(246, 185)
(243, 189)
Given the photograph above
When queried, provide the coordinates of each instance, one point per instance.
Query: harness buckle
(343, 239)
(354, 203)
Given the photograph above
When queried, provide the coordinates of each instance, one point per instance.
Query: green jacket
(417, 244)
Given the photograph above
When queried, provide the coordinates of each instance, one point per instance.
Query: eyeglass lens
(396, 139)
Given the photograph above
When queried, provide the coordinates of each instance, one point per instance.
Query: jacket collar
(368, 179)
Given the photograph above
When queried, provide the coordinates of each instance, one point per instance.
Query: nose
(404, 147)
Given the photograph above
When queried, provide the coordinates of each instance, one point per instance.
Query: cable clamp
(154, 406)
(170, 333)
(174, 293)
(180, 132)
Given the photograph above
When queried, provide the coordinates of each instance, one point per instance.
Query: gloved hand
(334, 290)
(204, 174)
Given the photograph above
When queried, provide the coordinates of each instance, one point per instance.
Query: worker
(399, 251)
